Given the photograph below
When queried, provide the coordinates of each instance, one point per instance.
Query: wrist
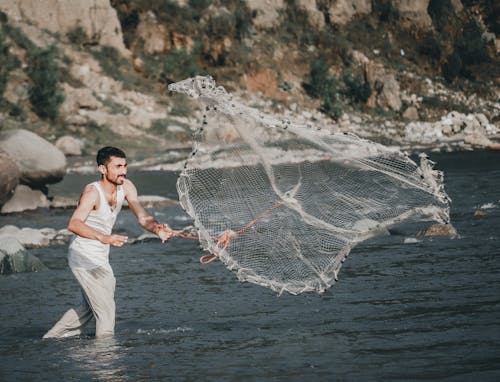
(102, 238)
(157, 228)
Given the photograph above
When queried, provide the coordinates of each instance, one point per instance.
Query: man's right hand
(115, 240)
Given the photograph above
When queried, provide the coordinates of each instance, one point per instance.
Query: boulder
(438, 230)
(70, 145)
(39, 161)
(14, 258)
(28, 237)
(342, 11)
(9, 177)
(411, 113)
(385, 88)
(97, 19)
(25, 198)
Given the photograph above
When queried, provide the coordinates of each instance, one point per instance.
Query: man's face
(115, 170)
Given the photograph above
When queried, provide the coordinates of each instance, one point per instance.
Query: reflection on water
(98, 358)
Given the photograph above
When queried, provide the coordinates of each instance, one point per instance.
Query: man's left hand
(164, 232)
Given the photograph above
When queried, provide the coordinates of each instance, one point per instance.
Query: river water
(405, 308)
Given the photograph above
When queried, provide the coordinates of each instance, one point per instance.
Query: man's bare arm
(88, 201)
(145, 220)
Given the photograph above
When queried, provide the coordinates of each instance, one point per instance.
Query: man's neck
(108, 186)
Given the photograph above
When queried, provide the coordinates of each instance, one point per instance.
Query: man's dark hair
(104, 154)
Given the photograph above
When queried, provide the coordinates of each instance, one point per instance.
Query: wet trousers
(98, 290)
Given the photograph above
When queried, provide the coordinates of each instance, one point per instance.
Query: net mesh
(283, 203)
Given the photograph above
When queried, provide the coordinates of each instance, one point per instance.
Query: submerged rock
(438, 230)
(480, 213)
(35, 238)
(14, 258)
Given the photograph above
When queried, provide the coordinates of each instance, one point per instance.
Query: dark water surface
(427, 310)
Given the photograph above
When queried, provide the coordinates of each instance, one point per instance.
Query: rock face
(9, 177)
(25, 198)
(265, 82)
(98, 20)
(155, 36)
(413, 13)
(39, 161)
(342, 11)
(315, 17)
(76, 99)
(266, 12)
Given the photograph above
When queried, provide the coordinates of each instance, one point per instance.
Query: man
(88, 257)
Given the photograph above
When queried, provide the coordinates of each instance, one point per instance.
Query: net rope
(282, 203)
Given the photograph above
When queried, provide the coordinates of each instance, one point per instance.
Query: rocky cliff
(96, 72)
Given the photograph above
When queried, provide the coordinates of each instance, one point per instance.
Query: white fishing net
(292, 200)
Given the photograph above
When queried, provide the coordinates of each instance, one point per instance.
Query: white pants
(98, 290)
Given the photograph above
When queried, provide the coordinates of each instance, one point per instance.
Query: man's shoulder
(127, 184)
(90, 190)
(129, 187)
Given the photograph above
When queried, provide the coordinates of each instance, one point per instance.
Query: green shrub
(452, 67)
(44, 94)
(111, 61)
(386, 11)
(296, 27)
(356, 88)
(199, 5)
(470, 46)
(179, 64)
(324, 86)
(18, 37)
(440, 12)
(7, 62)
(243, 17)
(430, 47)
(77, 35)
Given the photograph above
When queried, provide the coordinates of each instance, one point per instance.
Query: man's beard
(120, 179)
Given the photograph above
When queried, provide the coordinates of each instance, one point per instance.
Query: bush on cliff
(324, 86)
(180, 64)
(44, 94)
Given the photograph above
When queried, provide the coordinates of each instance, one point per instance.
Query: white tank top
(88, 253)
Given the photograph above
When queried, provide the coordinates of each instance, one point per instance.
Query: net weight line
(222, 241)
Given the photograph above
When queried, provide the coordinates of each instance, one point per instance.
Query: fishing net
(283, 203)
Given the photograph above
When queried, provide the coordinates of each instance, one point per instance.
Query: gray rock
(70, 145)
(411, 113)
(439, 230)
(39, 161)
(28, 237)
(14, 258)
(25, 198)
(9, 177)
